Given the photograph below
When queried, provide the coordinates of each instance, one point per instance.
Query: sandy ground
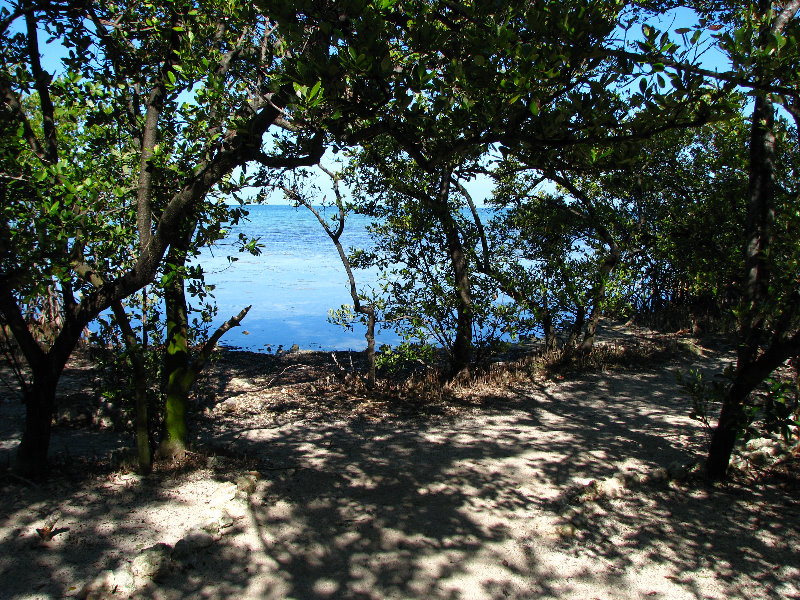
(355, 504)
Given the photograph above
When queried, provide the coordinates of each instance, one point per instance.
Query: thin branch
(339, 203)
(286, 125)
(205, 352)
(21, 178)
(274, 379)
(18, 114)
(726, 76)
(335, 235)
(34, 354)
(588, 206)
(111, 44)
(788, 11)
(282, 162)
(478, 223)
(155, 104)
(114, 50)
(42, 80)
(13, 16)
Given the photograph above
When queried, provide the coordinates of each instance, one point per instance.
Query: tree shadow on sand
(368, 509)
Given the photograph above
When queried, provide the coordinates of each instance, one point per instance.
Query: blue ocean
(291, 285)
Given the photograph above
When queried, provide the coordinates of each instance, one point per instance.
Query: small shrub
(704, 395)
(775, 408)
(405, 358)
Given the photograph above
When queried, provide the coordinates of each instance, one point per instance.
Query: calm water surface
(293, 283)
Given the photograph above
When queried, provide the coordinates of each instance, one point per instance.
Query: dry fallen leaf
(46, 531)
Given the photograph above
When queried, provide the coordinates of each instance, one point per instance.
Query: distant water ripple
(293, 283)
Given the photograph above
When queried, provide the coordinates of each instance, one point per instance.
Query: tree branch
(588, 206)
(205, 352)
(155, 104)
(788, 11)
(13, 16)
(726, 76)
(478, 223)
(242, 147)
(18, 114)
(42, 80)
(34, 354)
(281, 162)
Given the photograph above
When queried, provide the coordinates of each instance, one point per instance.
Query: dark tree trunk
(39, 408)
(599, 295)
(750, 372)
(370, 335)
(760, 217)
(462, 344)
(46, 368)
(461, 351)
(438, 204)
(590, 334)
(140, 380)
(179, 369)
(549, 331)
(731, 420)
(177, 377)
(575, 329)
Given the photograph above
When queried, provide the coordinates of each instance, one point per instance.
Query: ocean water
(291, 285)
